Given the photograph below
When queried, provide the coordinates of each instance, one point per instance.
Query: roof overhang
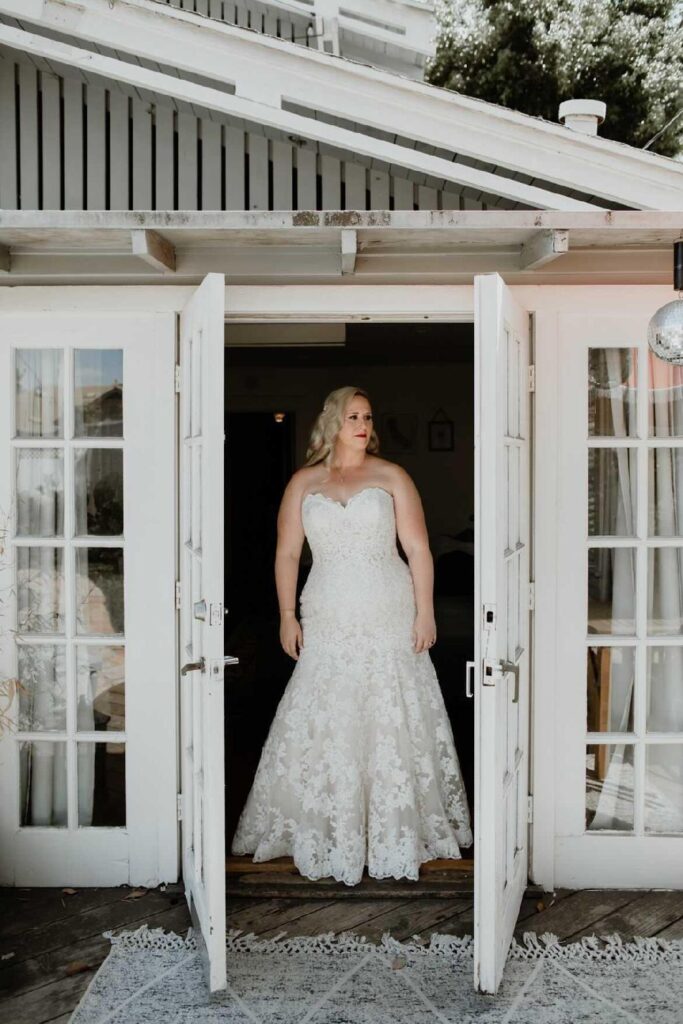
(544, 155)
(447, 247)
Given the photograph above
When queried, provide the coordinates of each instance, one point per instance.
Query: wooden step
(279, 879)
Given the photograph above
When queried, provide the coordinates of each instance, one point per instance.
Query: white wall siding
(70, 143)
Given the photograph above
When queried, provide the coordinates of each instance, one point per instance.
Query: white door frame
(144, 851)
(582, 857)
(556, 857)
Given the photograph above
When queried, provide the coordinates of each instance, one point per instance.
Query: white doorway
(502, 467)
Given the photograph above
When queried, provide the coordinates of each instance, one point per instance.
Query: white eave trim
(386, 101)
(272, 116)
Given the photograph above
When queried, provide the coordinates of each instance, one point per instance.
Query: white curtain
(41, 599)
(615, 486)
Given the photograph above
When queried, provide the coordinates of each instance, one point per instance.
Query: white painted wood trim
(259, 111)
(435, 116)
(542, 720)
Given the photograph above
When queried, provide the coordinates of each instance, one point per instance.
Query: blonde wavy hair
(329, 422)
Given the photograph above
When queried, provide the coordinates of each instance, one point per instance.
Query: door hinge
(179, 806)
(532, 595)
(530, 810)
(178, 595)
(532, 378)
(177, 379)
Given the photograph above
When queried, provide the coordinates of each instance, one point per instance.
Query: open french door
(502, 591)
(201, 620)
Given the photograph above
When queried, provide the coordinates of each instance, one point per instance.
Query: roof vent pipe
(583, 115)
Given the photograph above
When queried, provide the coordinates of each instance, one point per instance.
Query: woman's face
(357, 424)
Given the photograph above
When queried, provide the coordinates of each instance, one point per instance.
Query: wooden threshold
(279, 879)
(244, 865)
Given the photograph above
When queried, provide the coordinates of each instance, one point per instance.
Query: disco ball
(665, 332)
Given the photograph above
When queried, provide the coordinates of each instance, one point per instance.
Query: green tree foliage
(530, 55)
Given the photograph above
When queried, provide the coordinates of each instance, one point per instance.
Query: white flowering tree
(531, 56)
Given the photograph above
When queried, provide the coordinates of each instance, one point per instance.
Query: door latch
(495, 669)
(194, 666)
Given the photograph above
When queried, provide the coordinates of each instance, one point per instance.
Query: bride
(359, 767)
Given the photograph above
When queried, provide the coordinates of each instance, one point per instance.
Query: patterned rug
(153, 976)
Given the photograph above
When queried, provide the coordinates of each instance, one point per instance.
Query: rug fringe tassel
(606, 949)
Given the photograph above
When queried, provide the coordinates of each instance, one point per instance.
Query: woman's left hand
(424, 632)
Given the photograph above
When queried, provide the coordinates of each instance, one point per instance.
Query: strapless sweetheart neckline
(335, 501)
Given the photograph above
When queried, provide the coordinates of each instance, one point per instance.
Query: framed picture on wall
(440, 436)
(399, 432)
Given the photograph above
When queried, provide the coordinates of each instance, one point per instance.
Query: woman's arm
(290, 540)
(412, 532)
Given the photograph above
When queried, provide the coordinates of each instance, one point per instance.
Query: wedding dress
(359, 766)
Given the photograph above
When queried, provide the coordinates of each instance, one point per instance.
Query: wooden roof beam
(543, 247)
(154, 249)
(349, 250)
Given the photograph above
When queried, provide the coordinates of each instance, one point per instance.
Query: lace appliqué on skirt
(359, 768)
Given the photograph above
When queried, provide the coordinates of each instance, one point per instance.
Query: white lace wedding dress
(359, 767)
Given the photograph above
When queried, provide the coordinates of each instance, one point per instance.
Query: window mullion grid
(70, 592)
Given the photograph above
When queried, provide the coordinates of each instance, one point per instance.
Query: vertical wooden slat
(118, 152)
(270, 25)
(8, 134)
(51, 121)
(174, 3)
(211, 165)
(330, 169)
(450, 200)
(28, 137)
(286, 30)
(258, 172)
(426, 198)
(355, 181)
(306, 162)
(216, 9)
(187, 162)
(72, 91)
(242, 16)
(202, 7)
(403, 194)
(142, 155)
(379, 190)
(282, 175)
(96, 148)
(163, 163)
(235, 196)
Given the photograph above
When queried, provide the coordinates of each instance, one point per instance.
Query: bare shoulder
(301, 480)
(395, 478)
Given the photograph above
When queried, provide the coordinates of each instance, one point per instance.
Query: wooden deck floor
(51, 939)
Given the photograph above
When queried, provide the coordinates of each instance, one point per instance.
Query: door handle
(199, 610)
(469, 669)
(194, 666)
(492, 668)
(229, 659)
